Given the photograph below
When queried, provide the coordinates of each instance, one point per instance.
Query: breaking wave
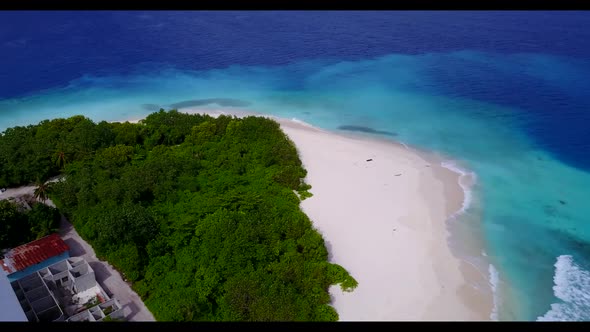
(572, 287)
(464, 176)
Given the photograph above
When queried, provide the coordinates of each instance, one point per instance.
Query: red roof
(21, 257)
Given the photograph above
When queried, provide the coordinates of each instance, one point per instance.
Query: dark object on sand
(367, 130)
(398, 174)
(369, 159)
(562, 202)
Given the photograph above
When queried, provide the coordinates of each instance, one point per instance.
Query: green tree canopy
(199, 212)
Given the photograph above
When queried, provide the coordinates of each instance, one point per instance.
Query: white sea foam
(306, 124)
(572, 286)
(303, 123)
(494, 282)
(463, 176)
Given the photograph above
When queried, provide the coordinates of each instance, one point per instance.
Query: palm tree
(44, 227)
(61, 159)
(41, 191)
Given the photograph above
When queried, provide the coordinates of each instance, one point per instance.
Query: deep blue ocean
(503, 94)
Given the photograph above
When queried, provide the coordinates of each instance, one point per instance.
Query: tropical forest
(201, 214)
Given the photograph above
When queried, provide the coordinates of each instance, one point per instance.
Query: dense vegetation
(199, 212)
(19, 225)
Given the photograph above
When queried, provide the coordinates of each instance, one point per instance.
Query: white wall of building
(10, 309)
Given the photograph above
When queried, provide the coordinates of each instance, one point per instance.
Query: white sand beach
(384, 221)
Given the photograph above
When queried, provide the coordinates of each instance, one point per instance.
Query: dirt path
(18, 192)
(110, 280)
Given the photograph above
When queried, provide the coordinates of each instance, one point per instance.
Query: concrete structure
(37, 301)
(49, 285)
(10, 309)
(109, 310)
(66, 290)
(28, 258)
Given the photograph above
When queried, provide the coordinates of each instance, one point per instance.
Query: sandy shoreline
(384, 220)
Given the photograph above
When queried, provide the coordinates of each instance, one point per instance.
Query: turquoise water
(529, 207)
